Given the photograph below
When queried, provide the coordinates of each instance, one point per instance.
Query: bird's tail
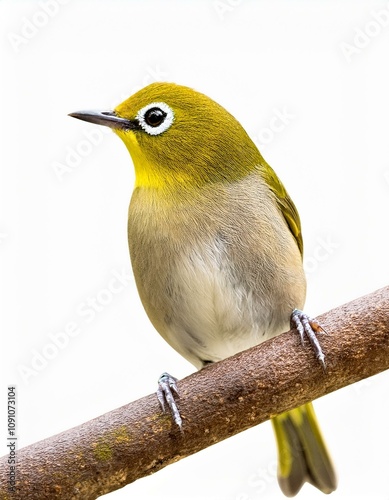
(302, 453)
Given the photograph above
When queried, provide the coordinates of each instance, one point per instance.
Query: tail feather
(302, 453)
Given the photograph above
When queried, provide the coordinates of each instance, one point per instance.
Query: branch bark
(217, 402)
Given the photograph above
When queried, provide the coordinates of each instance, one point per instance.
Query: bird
(216, 249)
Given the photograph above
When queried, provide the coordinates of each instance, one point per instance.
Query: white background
(63, 237)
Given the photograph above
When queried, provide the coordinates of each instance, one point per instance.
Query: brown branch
(217, 402)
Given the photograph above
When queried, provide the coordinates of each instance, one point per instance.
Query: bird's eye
(155, 118)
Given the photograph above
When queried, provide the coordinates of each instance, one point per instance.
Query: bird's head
(179, 137)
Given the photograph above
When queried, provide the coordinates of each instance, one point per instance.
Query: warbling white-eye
(216, 249)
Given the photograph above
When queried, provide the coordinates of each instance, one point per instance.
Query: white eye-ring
(155, 118)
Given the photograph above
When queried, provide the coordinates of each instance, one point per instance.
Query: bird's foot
(307, 326)
(167, 389)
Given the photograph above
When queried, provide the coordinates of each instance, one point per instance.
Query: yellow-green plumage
(178, 160)
(302, 453)
(216, 246)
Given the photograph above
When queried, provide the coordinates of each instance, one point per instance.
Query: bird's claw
(307, 326)
(167, 389)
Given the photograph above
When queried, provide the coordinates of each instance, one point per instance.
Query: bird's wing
(285, 203)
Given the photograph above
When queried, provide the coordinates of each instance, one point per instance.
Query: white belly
(216, 316)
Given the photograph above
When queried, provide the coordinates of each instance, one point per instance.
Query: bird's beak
(107, 118)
